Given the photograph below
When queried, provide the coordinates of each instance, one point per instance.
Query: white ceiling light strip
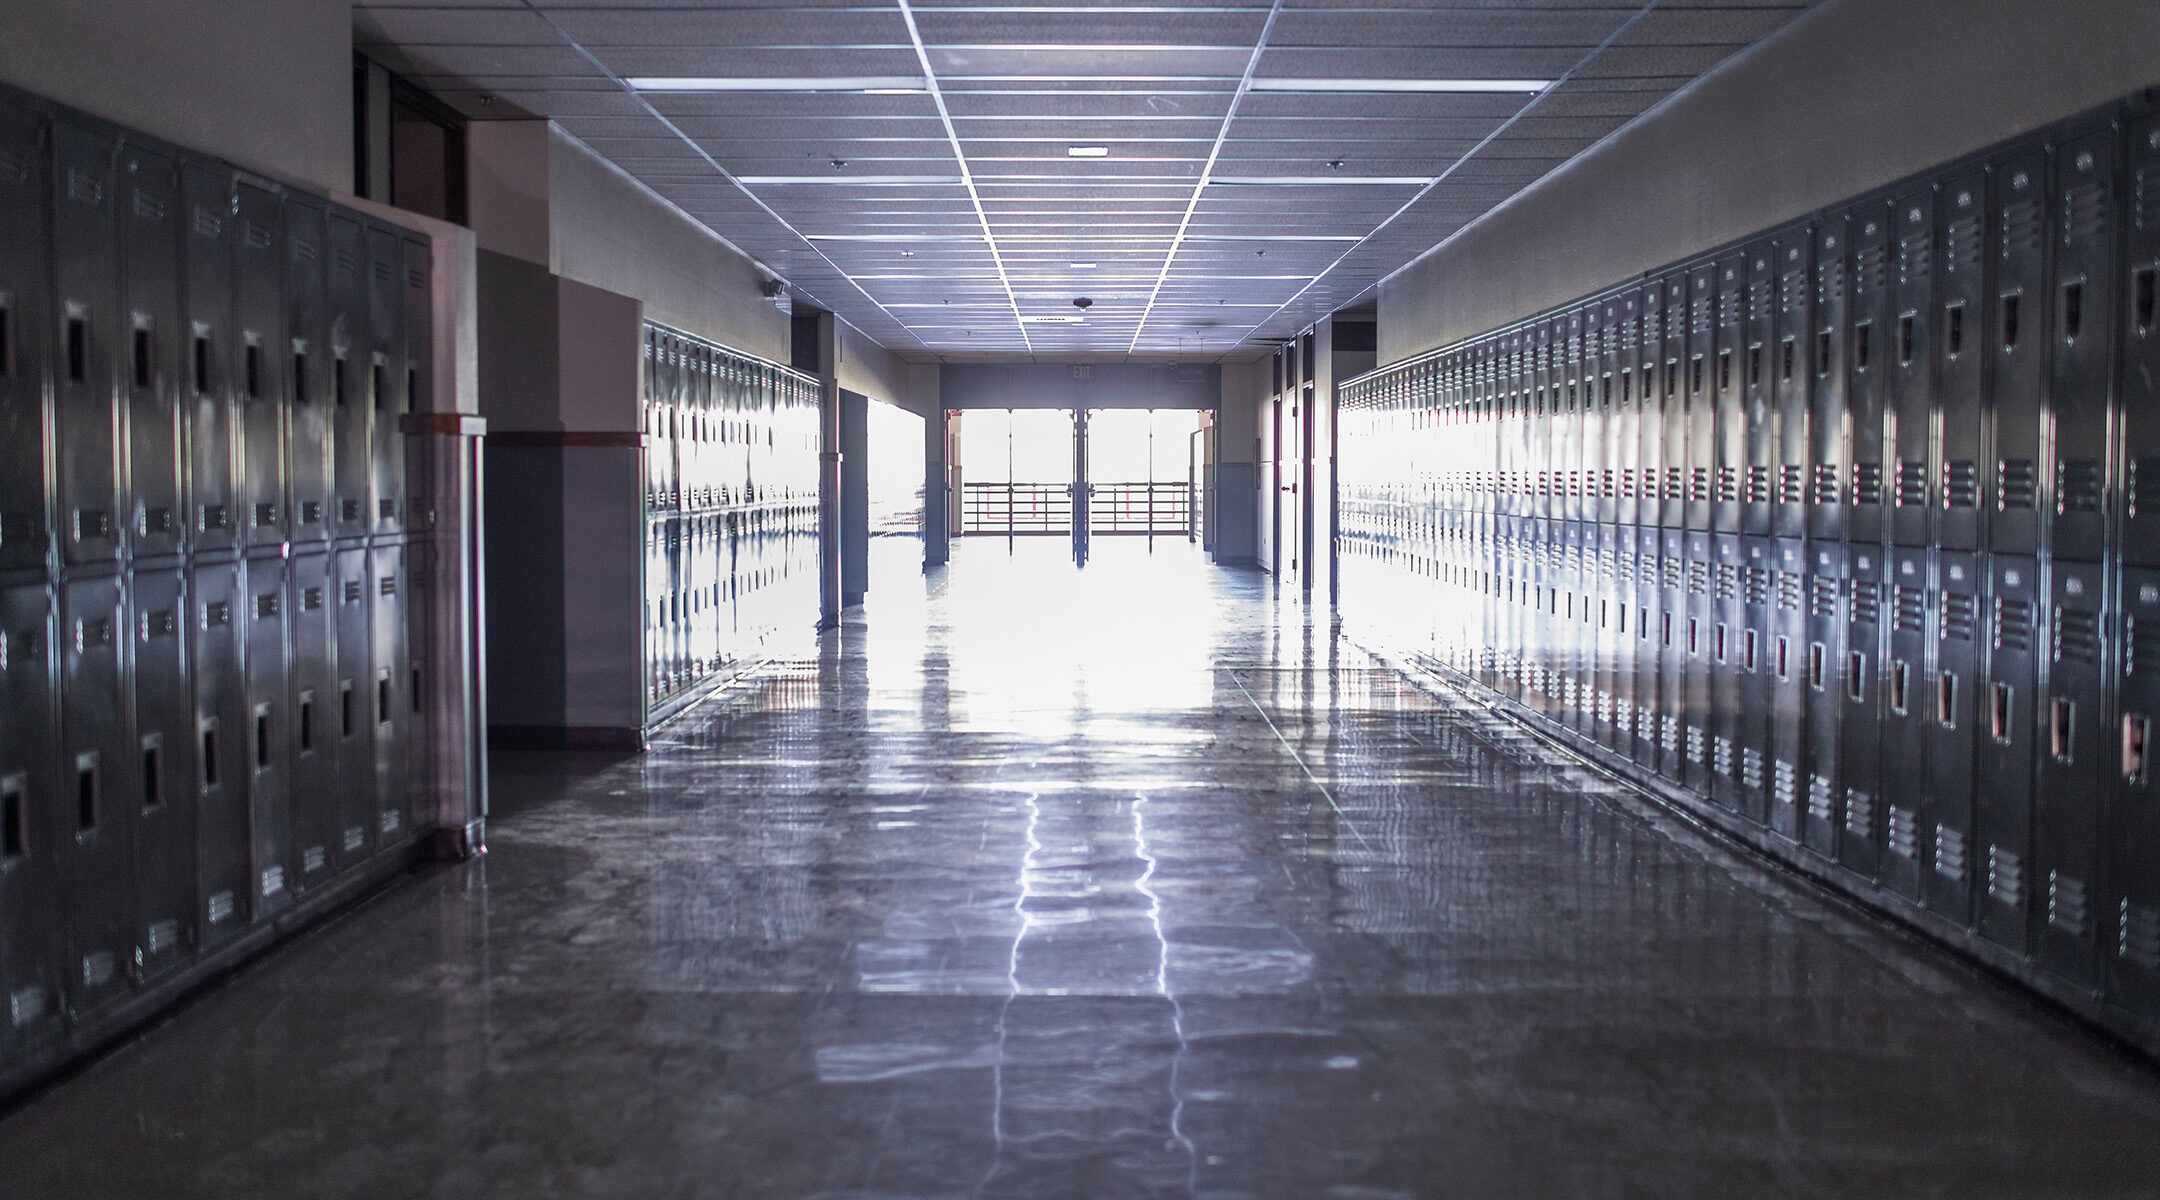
(1207, 170)
(724, 173)
(1377, 86)
(877, 85)
(967, 178)
(1442, 177)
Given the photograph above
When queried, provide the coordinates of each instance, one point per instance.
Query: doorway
(1079, 473)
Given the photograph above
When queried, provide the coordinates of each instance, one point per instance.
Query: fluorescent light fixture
(1053, 320)
(1401, 85)
(1081, 266)
(849, 180)
(1087, 151)
(1322, 181)
(879, 84)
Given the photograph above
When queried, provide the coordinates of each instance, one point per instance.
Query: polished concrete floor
(1123, 883)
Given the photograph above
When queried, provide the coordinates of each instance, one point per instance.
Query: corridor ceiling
(949, 178)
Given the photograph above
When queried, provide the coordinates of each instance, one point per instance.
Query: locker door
(163, 808)
(1728, 389)
(259, 370)
(1829, 442)
(313, 704)
(1581, 618)
(347, 356)
(416, 600)
(347, 718)
(1527, 392)
(2008, 745)
(1619, 637)
(1699, 394)
(1757, 684)
(1696, 642)
(309, 358)
(150, 312)
(1577, 417)
(33, 841)
(2017, 335)
(2132, 836)
(419, 392)
(1961, 297)
(2140, 341)
(2074, 776)
(1861, 725)
(205, 345)
(390, 373)
(1626, 432)
(1673, 401)
(267, 660)
(1790, 370)
(1824, 670)
(1605, 438)
(1787, 669)
(25, 531)
(218, 592)
(1868, 357)
(1906, 704)
(1759, 389)
(2081, 384)
(1909, 362)
(86, 334)
(92, 808)
(1952, 754)
(1723, 635)
(1673, 665)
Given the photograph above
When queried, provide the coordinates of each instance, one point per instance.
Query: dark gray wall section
(526, 676)
(1853, 95)
(1235, 514)
(1108, 385)
(854, 497)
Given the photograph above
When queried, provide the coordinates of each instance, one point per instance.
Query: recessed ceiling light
(907, 254)
(1400, 85)
(881, 84)
(1087, 151)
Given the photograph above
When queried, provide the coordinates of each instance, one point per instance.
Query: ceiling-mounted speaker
(771, 289)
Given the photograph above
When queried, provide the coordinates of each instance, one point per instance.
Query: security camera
(1083, 302)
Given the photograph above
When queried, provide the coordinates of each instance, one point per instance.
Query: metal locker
(163, 809)
(1723, 652)
(1908, 815)
(2140, 349)
(2081, 383)
(414, 747)
(1583, 636)
(33, 952)
(25, 520)
(1673, 665)
(1828, 599)
(417, 311)
(2008, 748)
(1959, 419)
(309, 358)
(86, 328)
(347, 357)
(1673, 450)
(1757, 685)
(1758, 389)
(1791, 375)
(92, 808)
(259, 368)
(313, 703)
(2075, 777)
(1695, 637)
(1699, 394)
(205, 341)
(217, 593)
(1727, 385)
(1908, 353)
(1868, 357)
(1603, 455)
(1955, 714)
(1616, 634)
(1829, 442)
(1860, 728)
(2016, 332)
(390, 374)
(1626, 431)
(1522, 407)
(1577, 451)
(346, 714)
(1643, 653)
(268, 660)
(2131, 944)
(1786, 669)
(150, 211)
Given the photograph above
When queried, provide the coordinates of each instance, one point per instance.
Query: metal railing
(1015, 509)
(1142, 508)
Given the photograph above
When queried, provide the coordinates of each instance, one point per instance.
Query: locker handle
(78, 348)
(14, 818)
(2062, 718)
(1785, 359)
(262, 737)
(2142, 298)
(2073, 309)
(153, 754)
(1784, 658)
(2135, 730)
(7, 342)
(1822, 354)
(2010, 322)
(1954, 329)
(1946, 700)
(1905, 339)
(209, 754)
(202, 363)
(1999, 712)
(1863, 339)
(1900, 677)
(1747, 651)
(1856, 676)
(86, 791)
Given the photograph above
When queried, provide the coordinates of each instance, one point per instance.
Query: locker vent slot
(1949, 852)
(1698, 578)
(313, 860)
(1904, 832)
(2018, 484)
(1859, 813)
(2144, 473)
(2077, 487)
(1695, 744)
(1960, 615)
(2006, 877)
(220, 908)
(1792, 482)
(265, 515)
(216, 516)
(162, 936)
(390, 821)
(1721, 756)
(92, 525)
(2148, 199)
(1912, 491)
(2085, 212)
(266, 605)
(98, 968)
(1758, 585)
(349, 511)
(1961, 484)
(2137, 936)
(1961, 244)
(1866, 602)
(2021, 227)
(1826, 484)
(1669, 734)
(1790, 588)
(311, 599)
(388, 586)
(1909, 608)
(273, 880)
(2144, 643)
(1867, 483)
(1728, 581)
(1785, 784)
(2077, 636)
(355, 837)
(2013, 624)
(1751, 769)
(311, 512)
(2066, 908)
(1728, 485)
(352, 591)
(1672, 489)
(1758, 485)
(26, 1005)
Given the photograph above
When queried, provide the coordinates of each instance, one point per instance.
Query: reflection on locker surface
(731, 530)
(204, 623)
(1845, 533)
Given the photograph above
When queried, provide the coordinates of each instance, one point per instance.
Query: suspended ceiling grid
(911, 168)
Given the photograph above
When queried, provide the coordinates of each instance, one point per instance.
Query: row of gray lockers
(1839, 531)
(731, 537)
(193, 360)
(725, 429)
